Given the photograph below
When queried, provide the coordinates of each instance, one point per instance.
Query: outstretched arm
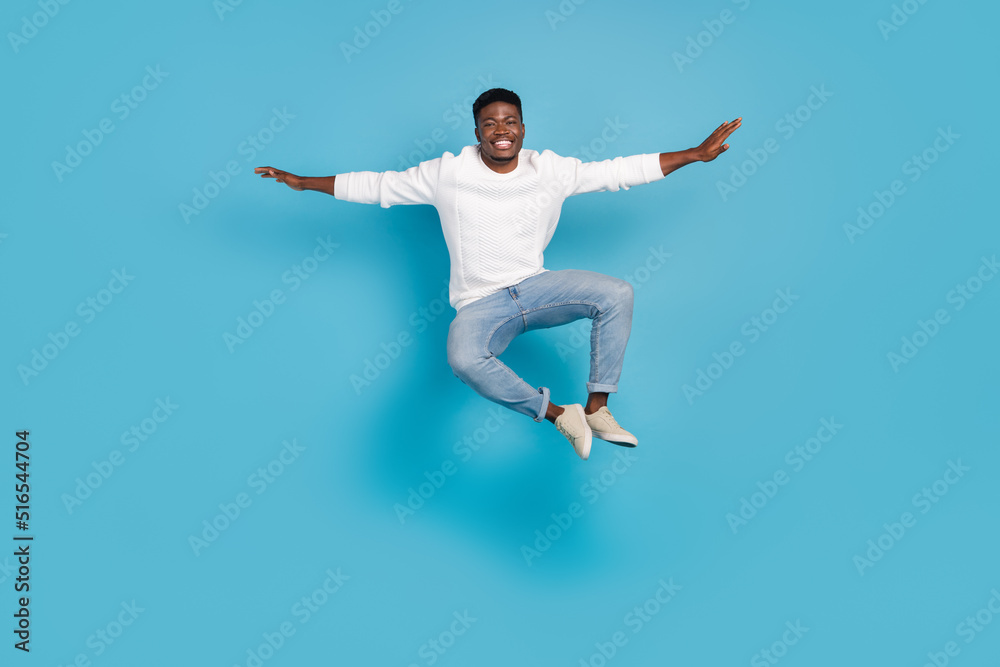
(709, 149)
(416, 185)
(317, 183)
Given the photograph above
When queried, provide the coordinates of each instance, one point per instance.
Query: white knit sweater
(496, 226)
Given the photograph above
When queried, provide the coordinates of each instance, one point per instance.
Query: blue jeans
(483, 329)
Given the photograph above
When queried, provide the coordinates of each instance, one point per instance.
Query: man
(499, 205)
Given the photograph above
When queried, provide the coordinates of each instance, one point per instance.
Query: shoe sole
(587, 439)
(610, 437)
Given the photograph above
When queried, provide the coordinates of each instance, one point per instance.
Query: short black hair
(495, 95)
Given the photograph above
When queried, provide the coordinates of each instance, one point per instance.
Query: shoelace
(610, 418)
(564, 431)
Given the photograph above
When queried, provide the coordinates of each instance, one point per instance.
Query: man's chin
(502, 158)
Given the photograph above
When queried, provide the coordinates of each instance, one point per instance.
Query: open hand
(291, 180)
(715, 145)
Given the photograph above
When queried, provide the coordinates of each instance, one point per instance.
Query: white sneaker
(572, 423)
(604, 426)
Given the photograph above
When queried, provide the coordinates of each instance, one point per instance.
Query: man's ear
(478, 138)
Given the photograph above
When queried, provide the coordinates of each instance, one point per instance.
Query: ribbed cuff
(650, 167)
(340, 186)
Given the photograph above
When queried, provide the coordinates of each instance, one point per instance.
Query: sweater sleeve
(612, 174)
(416, 185)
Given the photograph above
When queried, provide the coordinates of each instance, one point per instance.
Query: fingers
(725, 130)
(268, 172)
(716, 142)
(731, 126)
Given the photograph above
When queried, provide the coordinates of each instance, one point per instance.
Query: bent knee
(464, 360)
(620, 292)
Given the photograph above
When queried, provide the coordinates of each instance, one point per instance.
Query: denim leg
(479, 333)
(553, 298)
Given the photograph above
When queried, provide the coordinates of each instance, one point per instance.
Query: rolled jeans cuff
(544, 391)
(593, 387)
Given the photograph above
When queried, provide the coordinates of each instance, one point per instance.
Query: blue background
(363, 451)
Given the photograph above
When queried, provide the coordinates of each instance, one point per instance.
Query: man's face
(500, 132)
